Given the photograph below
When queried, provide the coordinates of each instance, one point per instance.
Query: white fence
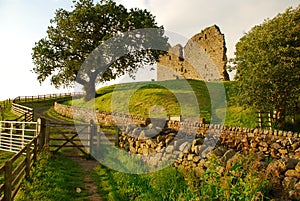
(24, 113)
(14, 135)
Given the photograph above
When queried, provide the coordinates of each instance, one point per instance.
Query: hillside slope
(188, 98)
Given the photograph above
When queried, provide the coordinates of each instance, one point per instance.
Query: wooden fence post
(42, 132)
(8, 181)
(35, 150)
(93, 131)
(259, 119)
(117, 136)
(98, 136)
(27, 168)
(47, 135)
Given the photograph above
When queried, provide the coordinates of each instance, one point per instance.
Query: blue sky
(22, 23)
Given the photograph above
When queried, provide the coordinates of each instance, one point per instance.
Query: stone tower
(202, 58)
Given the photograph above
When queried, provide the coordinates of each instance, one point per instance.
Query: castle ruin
(202, 58)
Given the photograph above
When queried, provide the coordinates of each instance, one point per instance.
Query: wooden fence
(46, 97)
(19, 166)
(24, 113)
(264, 119)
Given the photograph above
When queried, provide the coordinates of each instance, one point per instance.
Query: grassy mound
(188, 98)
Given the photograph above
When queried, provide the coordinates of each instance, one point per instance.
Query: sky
(22, 23)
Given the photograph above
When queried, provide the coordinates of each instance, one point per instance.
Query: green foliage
(239, 181)
(74, 35)
(268, 65)
(167, 184)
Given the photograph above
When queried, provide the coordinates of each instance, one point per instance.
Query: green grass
(173, 97)
(240, 181)
(8, 114)
(44, 103)
(55, 178)
(4, 156)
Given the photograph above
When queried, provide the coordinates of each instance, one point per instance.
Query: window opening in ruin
(205, 36)
(170, 57)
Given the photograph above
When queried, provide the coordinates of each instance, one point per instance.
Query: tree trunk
(90, 89)
(281, 118)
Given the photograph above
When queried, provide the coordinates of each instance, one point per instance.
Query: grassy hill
(188, 98)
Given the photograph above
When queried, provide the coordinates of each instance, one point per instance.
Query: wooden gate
(83, 137)
(64, 137)
(15, 135)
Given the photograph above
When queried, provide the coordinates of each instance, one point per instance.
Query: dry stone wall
(202, 58)
(103, 118)
(190, 151)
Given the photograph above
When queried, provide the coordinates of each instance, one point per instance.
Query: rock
(295, 195)
(292, 173)
(297, 186)
(290, 163)
(205, 151)
(197, 149)
(190, 157)
(184, 147)
(196, 159)
(136, 132)
(228, 154)
(151, 151)
(295, 146)
(297, 167)
(288, 183)
(132, 149)
(264, 144)
(283, 151)
(150, 143)
(275, 169)
(160, 138)
(169, 149)
(199, 171)
(145, 151)
(220, 151)
(78, 190)
(169, 138)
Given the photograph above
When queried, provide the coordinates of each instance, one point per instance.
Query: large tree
(92, 39)
(268, 65)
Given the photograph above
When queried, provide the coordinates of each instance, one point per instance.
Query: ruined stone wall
(202, 58)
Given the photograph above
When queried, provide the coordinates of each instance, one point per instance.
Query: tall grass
(239, 181)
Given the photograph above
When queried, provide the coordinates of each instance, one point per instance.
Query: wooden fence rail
(19, 166)
(24, 113)
(46, 97)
